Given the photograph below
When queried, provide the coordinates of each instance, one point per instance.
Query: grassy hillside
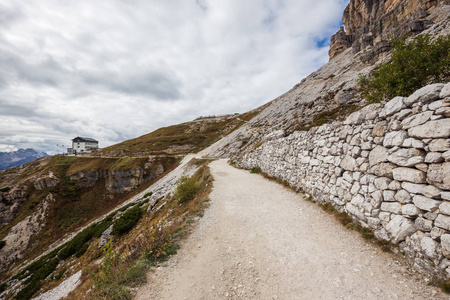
(182, 138)
(73, 203)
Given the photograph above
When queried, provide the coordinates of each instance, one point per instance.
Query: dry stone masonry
(388, 167)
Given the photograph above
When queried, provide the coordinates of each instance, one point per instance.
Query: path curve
(259, 240)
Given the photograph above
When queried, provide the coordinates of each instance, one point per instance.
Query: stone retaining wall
(389, 168)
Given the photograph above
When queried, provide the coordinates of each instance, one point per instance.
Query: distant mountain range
(19, 157)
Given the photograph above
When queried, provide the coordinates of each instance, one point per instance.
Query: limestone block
(445, 111)
(403, 114)
(395, 185)
(385, 216)
(382, 183)
(378, 155)
(434, 157)
(423, 224)
(394, 138)
(409, 174)
(383, 170)
(376, 199)
(399, 228)
(444, 208)
(445, 92)
(413, 187)
(393, 106)
(426, 94)
(435, 105)
(406, 157)
(410, 210)
(416, 120)
(431, 191)
(355, 188)
(445, 196)
(429, 247)
(392, 207)
(442, 221)
(445, 242)
(422, 167)
(439, 145)
(413, 143)
(425, 203)
(389, 196)
(373, 222)
(403, 196)
(432, 129)
(367, 113)
(358, 200)
(439, 175)
(446, 155)
(436, 232)
(349, 163)
(430, 215)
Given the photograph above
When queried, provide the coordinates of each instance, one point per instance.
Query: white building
(83, 145)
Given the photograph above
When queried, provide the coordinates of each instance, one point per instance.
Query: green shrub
(5, 189)
(186, 189)
(127, 220)
(413, 65)
(148, 194)
(28, 291)
(82, 250)
(2, 244)
(255, 170)
(3, 287)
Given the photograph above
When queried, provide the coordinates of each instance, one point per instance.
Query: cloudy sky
(117, 69)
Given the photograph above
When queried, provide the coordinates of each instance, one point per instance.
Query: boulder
(399, 228)
(409, 174)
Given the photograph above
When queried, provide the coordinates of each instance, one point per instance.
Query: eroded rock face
(369, 23)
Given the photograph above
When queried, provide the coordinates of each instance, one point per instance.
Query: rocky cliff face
(369, 24)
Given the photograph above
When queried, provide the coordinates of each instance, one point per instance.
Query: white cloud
(114, 70)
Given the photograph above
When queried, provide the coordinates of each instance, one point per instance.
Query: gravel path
(259, 240)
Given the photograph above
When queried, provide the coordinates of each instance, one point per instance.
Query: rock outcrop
(369, 24)
(388, 167)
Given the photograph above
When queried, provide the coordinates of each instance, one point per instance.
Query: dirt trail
(259, 240)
